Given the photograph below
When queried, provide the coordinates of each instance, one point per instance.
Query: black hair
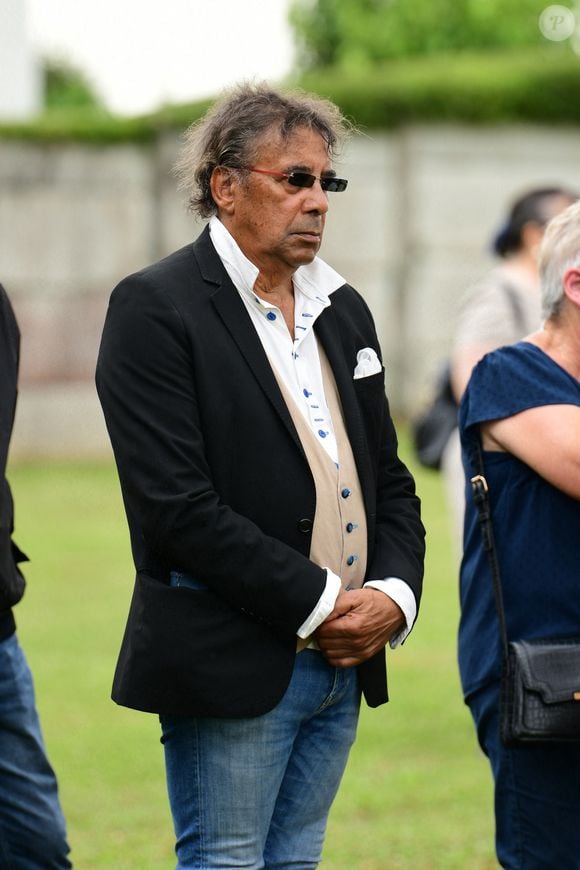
(531, 207)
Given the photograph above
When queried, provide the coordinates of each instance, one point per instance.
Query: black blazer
(11, 580)
(215, 483)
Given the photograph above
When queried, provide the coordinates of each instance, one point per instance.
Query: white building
(20, 71)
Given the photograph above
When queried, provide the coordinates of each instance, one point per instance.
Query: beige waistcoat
(339, 534)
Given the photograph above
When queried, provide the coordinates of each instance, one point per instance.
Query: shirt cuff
(402, 595)
(325, 605)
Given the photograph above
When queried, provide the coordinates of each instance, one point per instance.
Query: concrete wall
(410, 233)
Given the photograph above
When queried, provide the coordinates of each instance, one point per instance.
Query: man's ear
(571, 284)
(222, 184)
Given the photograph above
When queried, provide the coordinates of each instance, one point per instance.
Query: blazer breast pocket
(370, 396)
(371, 383)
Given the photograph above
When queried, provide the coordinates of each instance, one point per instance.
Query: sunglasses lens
(333, 185)
(329, 183)
(301, 179)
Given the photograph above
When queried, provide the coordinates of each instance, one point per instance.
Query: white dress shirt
(297, 362)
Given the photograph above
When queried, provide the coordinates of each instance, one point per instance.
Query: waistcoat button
(345, 492)
(305, 525)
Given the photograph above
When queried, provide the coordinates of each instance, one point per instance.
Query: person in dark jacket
(32, 826)
(276, 533)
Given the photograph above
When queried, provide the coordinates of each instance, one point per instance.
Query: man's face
(279, 227)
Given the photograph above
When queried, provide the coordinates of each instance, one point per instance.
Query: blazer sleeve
(11, 580)
(146, 383)
(9, 354)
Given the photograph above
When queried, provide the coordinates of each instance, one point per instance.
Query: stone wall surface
(411, 233)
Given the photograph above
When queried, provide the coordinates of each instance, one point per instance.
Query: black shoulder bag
(540, 683)
(433, 428)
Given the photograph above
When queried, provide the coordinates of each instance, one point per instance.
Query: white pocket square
(367, 363)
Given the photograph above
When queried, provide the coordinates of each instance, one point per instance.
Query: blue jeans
(32, 828)
(256, 792)
(537, 795)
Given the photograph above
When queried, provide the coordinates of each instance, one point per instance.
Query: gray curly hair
(559, 251)
(231, 131)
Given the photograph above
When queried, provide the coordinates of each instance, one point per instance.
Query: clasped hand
(362, 623)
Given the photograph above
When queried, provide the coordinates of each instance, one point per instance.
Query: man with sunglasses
(275, 532)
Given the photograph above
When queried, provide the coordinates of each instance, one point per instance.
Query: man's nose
(316, 199)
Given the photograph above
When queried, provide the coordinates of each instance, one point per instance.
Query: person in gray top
(499, 309)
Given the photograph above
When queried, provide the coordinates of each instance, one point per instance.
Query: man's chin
(305, 255)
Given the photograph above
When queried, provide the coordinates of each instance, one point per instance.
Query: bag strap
(481, 491)
(481, 500)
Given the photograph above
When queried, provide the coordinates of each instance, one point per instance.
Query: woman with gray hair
(501, 308)
(522, 405)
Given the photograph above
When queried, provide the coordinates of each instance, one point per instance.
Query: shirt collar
(316, 280)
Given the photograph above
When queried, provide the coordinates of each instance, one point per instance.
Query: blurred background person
(32, 827)
(499, 309)
(523, 401)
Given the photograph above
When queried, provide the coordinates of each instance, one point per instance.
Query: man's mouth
(313, 235)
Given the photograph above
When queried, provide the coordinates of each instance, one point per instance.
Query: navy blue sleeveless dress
(537, 527)
(537, 532)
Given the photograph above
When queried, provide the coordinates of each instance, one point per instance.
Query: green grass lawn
(417, 792)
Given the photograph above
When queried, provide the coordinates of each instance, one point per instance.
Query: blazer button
(305, 525)
(345, 492)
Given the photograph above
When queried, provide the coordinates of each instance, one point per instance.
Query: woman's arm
(546, 438)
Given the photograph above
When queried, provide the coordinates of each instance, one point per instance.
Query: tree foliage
(361, 33)
(67, 87)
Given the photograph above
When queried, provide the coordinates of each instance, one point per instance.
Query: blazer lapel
(328, 334)
(232, 311)
(327, 331)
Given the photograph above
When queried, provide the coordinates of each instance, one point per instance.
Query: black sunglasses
(305, 179)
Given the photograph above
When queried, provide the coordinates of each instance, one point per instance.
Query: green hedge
(97, 127)
(76, 125)
(540, 86)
